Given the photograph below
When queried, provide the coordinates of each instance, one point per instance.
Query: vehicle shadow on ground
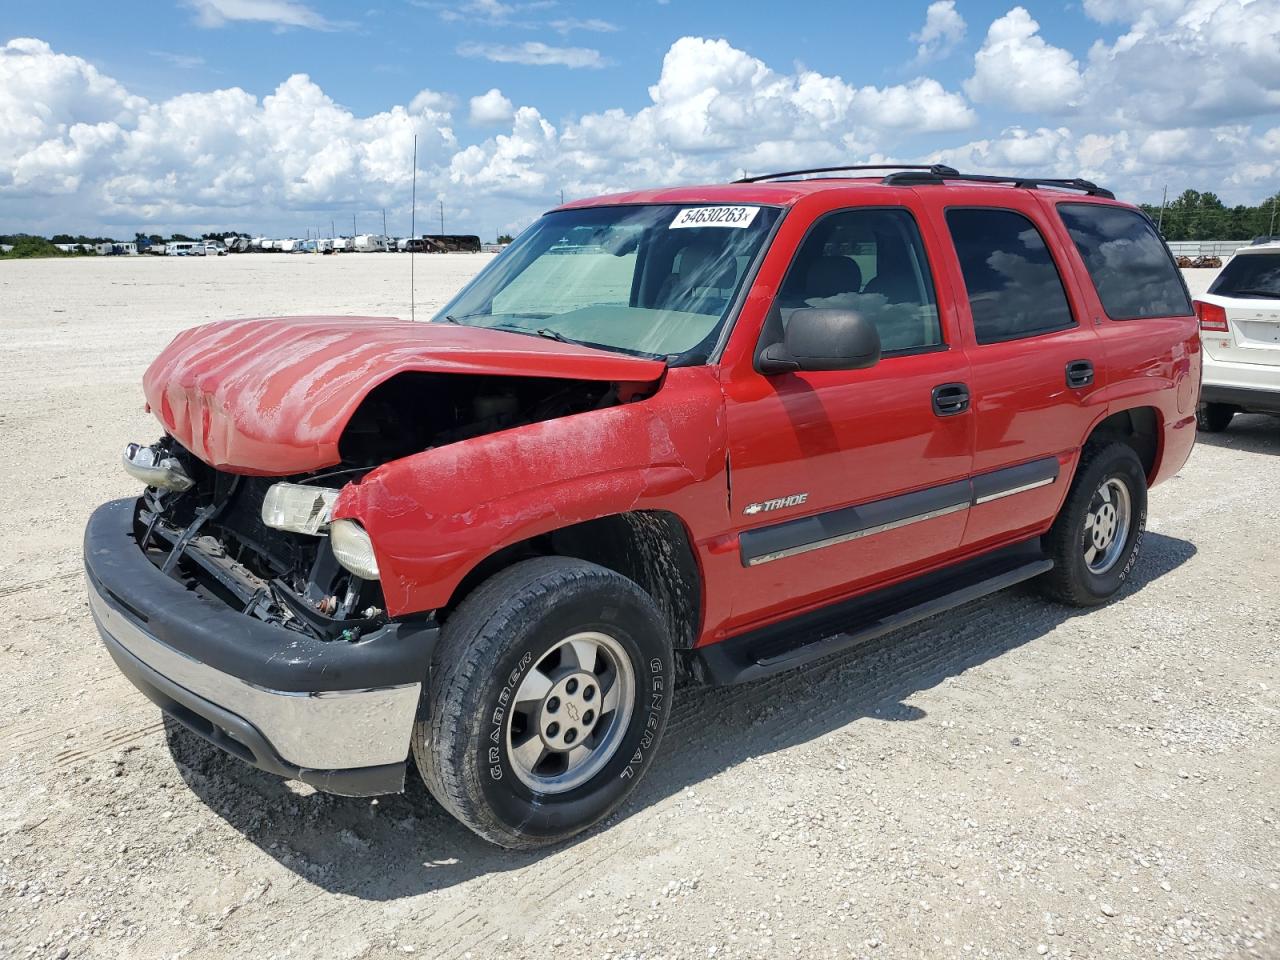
(407, 845)
(1249, 432)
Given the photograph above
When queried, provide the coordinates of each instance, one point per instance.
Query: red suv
(710, 432)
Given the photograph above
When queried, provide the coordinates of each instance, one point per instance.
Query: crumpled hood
(271, 396)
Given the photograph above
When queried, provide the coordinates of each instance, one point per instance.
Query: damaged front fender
(435, 515)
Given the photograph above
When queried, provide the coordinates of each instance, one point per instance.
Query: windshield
(656, 280)
(1250, 275)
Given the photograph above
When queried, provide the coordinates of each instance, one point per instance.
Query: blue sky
(121, 115)
(383, 53)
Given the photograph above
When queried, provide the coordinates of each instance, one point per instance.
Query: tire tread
(1060, 543)
(473, 638)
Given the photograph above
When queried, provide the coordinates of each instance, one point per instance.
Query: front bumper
(334, 714)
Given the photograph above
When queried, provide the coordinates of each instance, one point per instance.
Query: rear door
(1036, 362)
(1248, 290)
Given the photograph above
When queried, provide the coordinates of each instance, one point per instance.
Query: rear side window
(1013, 285)
(1131, 268)
(1250, 275)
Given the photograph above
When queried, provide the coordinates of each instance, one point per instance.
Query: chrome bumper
(317, 730)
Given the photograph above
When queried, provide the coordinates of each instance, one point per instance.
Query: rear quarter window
(1131, 268)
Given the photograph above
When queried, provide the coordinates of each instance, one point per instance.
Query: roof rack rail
(1259, 241)
(914, 177)
(936, 169)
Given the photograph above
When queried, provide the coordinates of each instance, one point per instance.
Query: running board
(821, 633)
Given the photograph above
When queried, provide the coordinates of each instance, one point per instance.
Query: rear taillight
(1212, 317)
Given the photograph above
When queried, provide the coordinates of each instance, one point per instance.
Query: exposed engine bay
(205, 526)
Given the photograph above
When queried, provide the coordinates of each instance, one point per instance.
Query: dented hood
(271, 396)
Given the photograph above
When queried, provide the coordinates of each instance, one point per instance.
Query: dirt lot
(1016, 779)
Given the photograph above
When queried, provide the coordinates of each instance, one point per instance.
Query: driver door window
(871, 262)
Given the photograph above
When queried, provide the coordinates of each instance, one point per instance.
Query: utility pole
(332, 233)
(1271, 230)
(442, 218)
(353, 226)
(1163, 200)
(384, 221)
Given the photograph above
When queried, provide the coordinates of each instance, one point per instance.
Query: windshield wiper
(557, 335)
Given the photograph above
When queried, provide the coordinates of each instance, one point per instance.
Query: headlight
(155, 470)
(298, 507)
(353, 549)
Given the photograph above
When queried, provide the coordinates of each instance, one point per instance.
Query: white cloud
(1016, 68)
(283, 13)
(590, 25)
(79, 151)
(183, 61)
(1178, 62)
(490, 108)
(534, 53)
(1189, 61)
(943, 29)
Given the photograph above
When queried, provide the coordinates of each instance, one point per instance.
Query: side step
(820, 633)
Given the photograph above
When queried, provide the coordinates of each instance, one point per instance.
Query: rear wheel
(1095, 540)
(1214, 417)
(550, 688)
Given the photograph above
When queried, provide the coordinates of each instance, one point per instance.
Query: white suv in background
(1240, 330)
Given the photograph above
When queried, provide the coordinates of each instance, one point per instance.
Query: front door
(844, 480)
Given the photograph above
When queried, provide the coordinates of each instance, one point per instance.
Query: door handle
(1079, 374)
(950, 399)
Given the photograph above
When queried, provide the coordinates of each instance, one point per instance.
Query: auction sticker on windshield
(715, 217)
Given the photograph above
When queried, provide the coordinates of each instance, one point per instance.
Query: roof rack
(921, 174)
(1259, 241)
(922, 177)
(936, 168)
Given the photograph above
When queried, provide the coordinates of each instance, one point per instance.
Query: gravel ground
(1017, 779)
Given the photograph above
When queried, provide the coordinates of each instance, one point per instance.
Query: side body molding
(791, 537)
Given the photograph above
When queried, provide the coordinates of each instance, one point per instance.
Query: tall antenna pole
(332, 232)
(384, 213)
(353, 226)
(1163, 200)
(442, 218)
(413, 226)
(562, 196)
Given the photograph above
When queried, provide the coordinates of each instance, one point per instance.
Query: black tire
(487, 647)
(1214, 417)
(1071, 581)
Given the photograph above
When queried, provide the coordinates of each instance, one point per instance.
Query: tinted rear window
(1250, 275)
(1013, 284)
(1131, 268)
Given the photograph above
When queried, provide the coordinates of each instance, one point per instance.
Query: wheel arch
(1139, 428)
(651, 547)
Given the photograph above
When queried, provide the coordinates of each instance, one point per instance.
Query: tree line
(1194, 215)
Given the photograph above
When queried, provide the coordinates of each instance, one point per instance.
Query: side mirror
(824, 338)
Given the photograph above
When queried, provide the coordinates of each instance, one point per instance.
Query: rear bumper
(337, 715)
(1249, 399)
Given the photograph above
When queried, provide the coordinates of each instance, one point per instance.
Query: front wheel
(550, 689)
(1095, 540)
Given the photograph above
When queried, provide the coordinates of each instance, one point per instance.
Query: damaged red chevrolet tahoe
(709, 432)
